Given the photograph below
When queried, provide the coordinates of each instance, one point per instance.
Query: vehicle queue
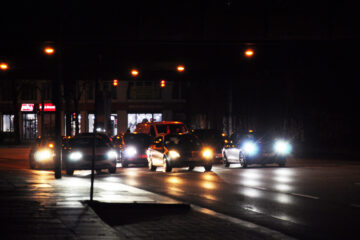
(166, 144)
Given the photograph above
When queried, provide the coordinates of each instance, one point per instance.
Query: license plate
(268, 154)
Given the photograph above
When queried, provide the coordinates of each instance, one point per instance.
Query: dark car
(252, 148)
(212, 138)
(79, 153)
(183, 150)
(132, 148)
(42, 155)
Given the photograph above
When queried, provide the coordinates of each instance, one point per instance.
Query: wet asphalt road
(307, 199)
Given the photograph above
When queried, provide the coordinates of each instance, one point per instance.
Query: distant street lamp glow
(180, 68)
(249, 53)
(134, 72)
(49, 50)
(4, 66)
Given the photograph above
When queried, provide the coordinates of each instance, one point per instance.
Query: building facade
(118, 108)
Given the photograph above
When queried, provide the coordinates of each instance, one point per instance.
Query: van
(156, 129)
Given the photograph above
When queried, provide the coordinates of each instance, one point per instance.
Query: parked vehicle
(251, 148)
(132, 148)
(79, 154)
(181, 150)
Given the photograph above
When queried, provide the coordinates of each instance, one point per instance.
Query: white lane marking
(304, 195)
(245, 224)
(355, 205)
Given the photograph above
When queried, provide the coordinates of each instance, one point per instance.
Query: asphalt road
(306, 199)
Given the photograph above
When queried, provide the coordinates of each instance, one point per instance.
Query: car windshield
(210, 135)
(87, 142)
(139, 139)
(186, 140)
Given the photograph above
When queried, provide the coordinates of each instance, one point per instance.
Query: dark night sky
(306, 51)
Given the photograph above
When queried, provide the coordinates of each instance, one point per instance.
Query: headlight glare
(75, 156)
(250, 148)
(282, 147)
(174, 154)
(207, 153)
(112, 154)
(130, 152)
(42, 155)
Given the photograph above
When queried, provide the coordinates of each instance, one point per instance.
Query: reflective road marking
(304, 195)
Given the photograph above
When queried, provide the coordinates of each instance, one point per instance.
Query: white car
(249, 148)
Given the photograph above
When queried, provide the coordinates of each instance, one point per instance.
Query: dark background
(305, 68)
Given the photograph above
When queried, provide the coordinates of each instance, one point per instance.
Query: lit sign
(27, 107)
(48, 107)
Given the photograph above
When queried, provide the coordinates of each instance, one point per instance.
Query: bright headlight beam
(42, 155)
(75, 156)
(174, 154)
(207, 153)
(282, 147)
(130, 152)
(112, 154)
(250, 148)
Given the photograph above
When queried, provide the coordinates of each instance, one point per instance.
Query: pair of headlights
(280, 147)
(75, 156)
(207, 153)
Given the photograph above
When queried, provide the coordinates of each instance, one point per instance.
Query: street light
(249, 53)
(49, 50)
(134, 72)
(180, 68)
(4, 66)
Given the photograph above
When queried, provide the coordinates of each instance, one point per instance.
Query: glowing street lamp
(249, 53)
(4, 66)
(180, 68)
(134, 72)
(49, 50)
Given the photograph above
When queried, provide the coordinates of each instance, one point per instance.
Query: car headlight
(112, 154)
(282, 147)
(43, 154)
(130, 152)
(250, 148)
(174, 154)
(75, 156)
(207, 153)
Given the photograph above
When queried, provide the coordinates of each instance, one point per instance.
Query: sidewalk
(35, 206)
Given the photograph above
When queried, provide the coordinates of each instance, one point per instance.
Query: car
(212, 138)
(179, 150)
(155, 129)
(42, 155)
(132, 148)
(79, 153)
(252, 148)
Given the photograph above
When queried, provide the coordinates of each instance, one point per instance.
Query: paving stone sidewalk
(35, 206)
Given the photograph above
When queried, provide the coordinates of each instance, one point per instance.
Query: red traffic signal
(162, 83)
(115, 82)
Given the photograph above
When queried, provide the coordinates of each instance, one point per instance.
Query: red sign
(48, 107)
(27, 107)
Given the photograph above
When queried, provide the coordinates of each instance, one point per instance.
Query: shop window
(91, 121)
(7, 123)
(135, 118)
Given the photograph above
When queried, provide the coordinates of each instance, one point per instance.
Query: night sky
(306, 51)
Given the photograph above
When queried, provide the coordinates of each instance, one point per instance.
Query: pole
(93, 166)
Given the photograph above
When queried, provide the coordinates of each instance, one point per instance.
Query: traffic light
(115, 83)
(74, 116)
(162, 83)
